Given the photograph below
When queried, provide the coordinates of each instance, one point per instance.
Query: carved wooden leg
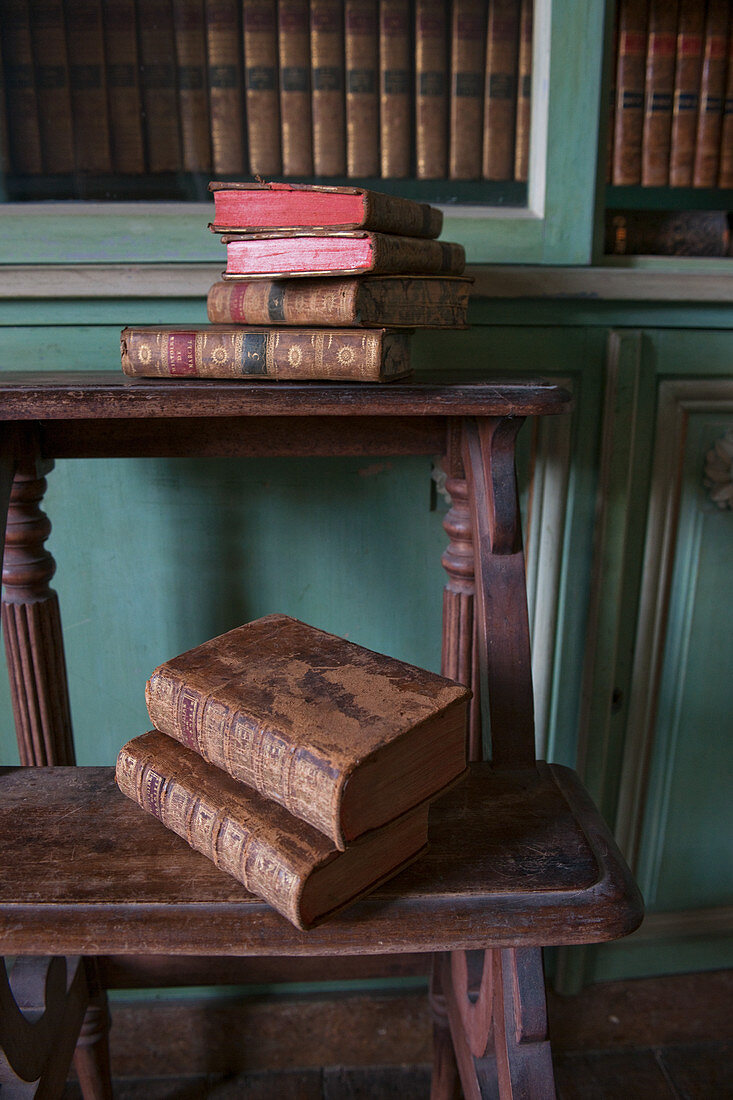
(445, 1082)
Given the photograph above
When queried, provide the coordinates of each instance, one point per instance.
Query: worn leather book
(88, 81)
(52, 86)
(226, 99)
(123, 84)
(712, 91)
(295, 87)
(361, 51)
(431, 89)
(686, 100)
(725, 172)
(158, 85)
(23, 129)
(237, 351)
(193, 101)
(667, 233)
(259, 18)
(281, 859)
(255, 206)
(524, 93)
(658, 92)
(410, 300)
(344, 738)
(327, 87)
(629, 82)
(500, 89)
(332, 253)
(395, 88)
(468, 34)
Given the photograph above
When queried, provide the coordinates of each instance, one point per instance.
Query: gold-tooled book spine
(688, 65)
(234, 828)
(395, 88)
(23, 129)
(361, 50)
(630, 72)
(407, 255)
(725, 173)
(404, 217)
(658, 93)
(52, 85)
(712, 91)
(468, 32)
(261, 89)
(88, 80)
(123, 82)
(524, 94)
(327, 87)
(226, 102)
(431, 90)
(295, 88)
(189, 31)
(500, 89)
(158, 85)
(263, 302)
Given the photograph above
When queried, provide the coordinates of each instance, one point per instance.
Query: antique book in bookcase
(431, 89)
(158, 85)
(658, 92)
(226, 99)
(52, 86)
(500, 89)
(686, 100)
(240, 351)
(259, 19)
(468, 32)
(189, 29)
(280, 858)
(23, 127)
(361, 55)
(123, 82)
(725, 171)
(295, 87)
(342, 737)
(327, 87)
(712, 91)
(88, 81)
(428, 301)
(524, 93)
(395, 88)
(628, 119)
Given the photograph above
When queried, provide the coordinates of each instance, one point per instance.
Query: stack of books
(321, 283)
(298, 762)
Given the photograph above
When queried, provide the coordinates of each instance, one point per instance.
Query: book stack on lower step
(321, 283)
(298, 762)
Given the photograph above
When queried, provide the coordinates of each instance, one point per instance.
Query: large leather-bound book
(158, 85)
(189, 31)
(331, 253)
(500, 89)
(667, 233)
(686, 92)
(725, 172)
(395, 88)
(524, 93)
(123, 84)
(260, 82)
(52, 86)
(361, 51)
(226, 98)
(468, 34)
(368, 301)
(238, 351)
(255, 206)
(88, 80)
(431, 89)
(277, 857)
(327, 87)
(23, 129)
(295, 87)
(658, 92)
(630, 72)
(712, 90)
(344, 738)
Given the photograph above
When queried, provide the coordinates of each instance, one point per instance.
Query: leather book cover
(712, 91)
(123, 83)
(237, 351)
(259, 19)
(52, 86)
(725, 172)
(500, 89)
(688, 66)
(395, 88)
(667, 233)
(373, 301)
(431, 89)
(295, 87)
(524, 94)
(88, 81)
(629, 82)
(327, 87)
(468, 39)
(361, 49)
(283, 860)
(658, 92)
(226, 98)
(344, 738)
(23, 128)
(158, 85)
(189, 36)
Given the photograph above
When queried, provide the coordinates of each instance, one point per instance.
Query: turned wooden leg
(444, 1083)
